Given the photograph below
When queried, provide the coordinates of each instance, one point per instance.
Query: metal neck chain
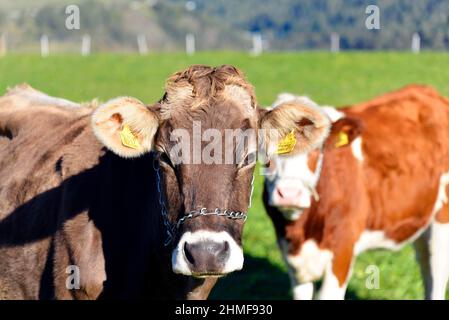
(171, 228)
(235, 215)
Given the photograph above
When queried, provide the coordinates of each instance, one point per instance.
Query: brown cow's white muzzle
(206, 253)
(206, 257)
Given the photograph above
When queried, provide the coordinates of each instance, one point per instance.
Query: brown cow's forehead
(223, 115)
(220, 113)
(219, 98)
(223, 127)
(200, 87)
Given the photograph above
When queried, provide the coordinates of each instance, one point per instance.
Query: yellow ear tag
(287, 144)
(343, 139)
(128, 138)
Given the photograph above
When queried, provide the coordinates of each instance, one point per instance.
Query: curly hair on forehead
(204, 83)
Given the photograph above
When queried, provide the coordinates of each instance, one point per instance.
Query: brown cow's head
(204, 132)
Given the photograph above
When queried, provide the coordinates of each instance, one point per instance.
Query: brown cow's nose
(207, 257)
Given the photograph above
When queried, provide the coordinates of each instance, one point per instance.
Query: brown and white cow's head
(194, 131)
(291, 179)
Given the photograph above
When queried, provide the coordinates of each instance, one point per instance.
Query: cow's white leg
(439, 259)
(423, 258)
(300, 291)
(432, 250)
(303, 291)
(331, 288)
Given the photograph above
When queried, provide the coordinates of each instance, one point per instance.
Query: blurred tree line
(307, 24)
(227, 24)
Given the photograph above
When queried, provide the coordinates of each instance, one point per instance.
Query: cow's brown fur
(47, 223)
(65, 199)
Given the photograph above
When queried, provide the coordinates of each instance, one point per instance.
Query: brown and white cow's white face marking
(200, 105)
(291, 179)
(291, 182)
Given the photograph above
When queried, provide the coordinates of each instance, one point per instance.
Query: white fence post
(257, 44)
(3, 48)
(45, 47)
(335, 42)
(142, 44)
(85, 45)
(190, 43)
(416, 43)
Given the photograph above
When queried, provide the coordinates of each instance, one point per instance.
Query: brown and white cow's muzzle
(290, 197)
(206, 253)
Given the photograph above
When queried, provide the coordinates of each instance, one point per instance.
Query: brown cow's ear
(293, 127)
(125, 126)
(343, 132)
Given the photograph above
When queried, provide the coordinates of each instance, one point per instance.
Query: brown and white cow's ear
(343, 132)
(303, 127)
(125, 126)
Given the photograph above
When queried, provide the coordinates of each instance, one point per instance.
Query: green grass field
(332, 79)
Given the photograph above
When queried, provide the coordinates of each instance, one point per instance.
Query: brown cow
(380, 181)
(95, 202)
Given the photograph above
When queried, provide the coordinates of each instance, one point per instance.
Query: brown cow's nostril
(188, 255)
(206, 257)
(223, 254)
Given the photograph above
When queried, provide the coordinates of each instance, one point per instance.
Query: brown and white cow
(94, 202)
(381, 180)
